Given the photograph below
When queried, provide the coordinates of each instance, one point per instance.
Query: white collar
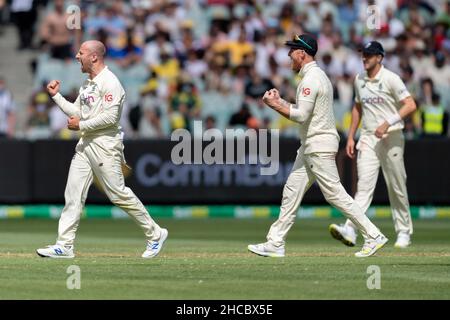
(99, 74)
(306, 68)
(377, 76)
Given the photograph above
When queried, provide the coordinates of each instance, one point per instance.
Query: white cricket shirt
(318, 129)
(379, 98)
(99, 104)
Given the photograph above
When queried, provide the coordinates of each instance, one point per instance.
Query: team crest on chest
(88, 96)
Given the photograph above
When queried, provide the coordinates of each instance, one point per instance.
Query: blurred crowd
(212, 60)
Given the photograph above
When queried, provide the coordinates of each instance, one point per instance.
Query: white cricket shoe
(372, 246)
(343, 233)
(266, 249)
(56, 251)
(154, 247)
(403, 240)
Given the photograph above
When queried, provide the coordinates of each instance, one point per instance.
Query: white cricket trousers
(100, 157)
(387, 153)
(320, 167)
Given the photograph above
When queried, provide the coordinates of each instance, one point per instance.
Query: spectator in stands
(348, 15)
(150, 124)
(38, 124)
(238, 49)
(426, 91)
(407, 75)
(154, 46)
(257, 85)
(434, 119)
(131, 53)
(395, 25)
(343, 102)
(210, 123)
(112, 22)
(24, 16)
(332, 67)
(439, 72)
(195, 66)
(420, 61)
(184, 102)
(439, 36)
(168, 68)
(218, 44)
(241, 118)
(55, 34)
(325, 40)
(187, 43)
(412, 127)
(7, 111)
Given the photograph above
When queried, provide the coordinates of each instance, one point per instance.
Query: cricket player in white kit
(316, 157)
(381, 103)
(99, 153)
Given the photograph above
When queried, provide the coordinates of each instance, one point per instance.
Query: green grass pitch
(208, 259)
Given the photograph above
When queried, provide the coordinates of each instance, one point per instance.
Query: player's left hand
(73, 123)
(271, 97)
(381, 130)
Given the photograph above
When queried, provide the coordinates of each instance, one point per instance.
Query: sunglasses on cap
(298, 39)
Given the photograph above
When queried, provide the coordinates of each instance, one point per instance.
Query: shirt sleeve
(306, 98)
(398, 88)
(112, 99)
(70, 109)
(301, 111)
(308, 90)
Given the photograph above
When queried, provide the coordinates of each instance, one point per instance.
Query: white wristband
(394, 119)
(294, 113)
(285, 103)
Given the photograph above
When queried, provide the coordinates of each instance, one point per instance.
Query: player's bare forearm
(408, 107)
(356, 119)
(282, 107)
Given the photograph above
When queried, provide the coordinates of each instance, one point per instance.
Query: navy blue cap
(373, 47)
(304, 42)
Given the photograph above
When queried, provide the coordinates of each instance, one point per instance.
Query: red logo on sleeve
(108, 97)
(306, 91)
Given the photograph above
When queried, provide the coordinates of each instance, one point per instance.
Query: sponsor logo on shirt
(108, 97)
(306, 91)
(87, 99)
(373, 100)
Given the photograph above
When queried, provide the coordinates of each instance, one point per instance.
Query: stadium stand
(226, 51)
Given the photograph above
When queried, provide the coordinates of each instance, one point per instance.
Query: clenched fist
(271, 97)
(73, 123)
(53, 87)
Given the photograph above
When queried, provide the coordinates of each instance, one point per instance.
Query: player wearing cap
(381, 103)
(99, 153)
(315, 160)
